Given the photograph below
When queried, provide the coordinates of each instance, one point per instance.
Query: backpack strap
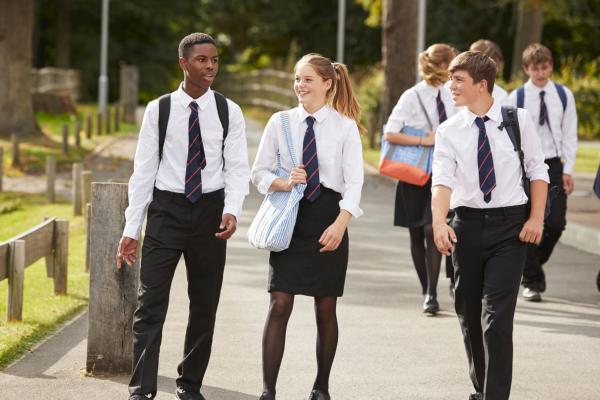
(164, 109)
(223, 111)
(520, 97)
(511, 123)
(562, 94)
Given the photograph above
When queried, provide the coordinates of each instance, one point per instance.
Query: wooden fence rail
(48, 239)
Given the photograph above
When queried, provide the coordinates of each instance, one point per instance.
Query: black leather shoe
(318, 395)
(141, 396)
(476, 396)
(183, 394)
(431, 306)
(267, 396)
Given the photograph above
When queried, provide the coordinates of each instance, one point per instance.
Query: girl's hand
(297, 176)
(428, 140)
(332, 236)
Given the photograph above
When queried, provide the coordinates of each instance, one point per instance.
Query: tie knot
(480, 122)
(310, 120)
(439, 96)
(194, 106)
(542, 93)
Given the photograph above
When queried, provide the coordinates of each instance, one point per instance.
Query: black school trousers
(537, 255)
(175, 226)
(488, 262)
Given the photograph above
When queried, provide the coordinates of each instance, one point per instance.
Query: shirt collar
(320, 115)
(494, 114)
(185, 99)
(530, 85)
(426, 88)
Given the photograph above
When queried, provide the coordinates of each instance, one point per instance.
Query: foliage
(43, 312)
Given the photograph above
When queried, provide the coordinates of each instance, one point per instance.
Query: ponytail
(344, 100)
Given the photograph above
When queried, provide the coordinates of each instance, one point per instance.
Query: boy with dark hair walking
(191, 172)
(492, 223)
(552, 106)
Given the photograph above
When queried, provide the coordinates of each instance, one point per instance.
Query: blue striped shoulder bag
(274, 222)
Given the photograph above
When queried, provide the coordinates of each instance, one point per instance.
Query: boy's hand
(229, 224)
(532, 231)
(127, 251)
(568, 183)
(444, 238)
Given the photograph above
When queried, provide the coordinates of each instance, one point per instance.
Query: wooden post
(16, 276)
(128, 91)
(61, 255)
(77, 133)
(65, 139)
(14, 139)
(108, 124)
(76, 188)
(99, 125)
(88, 214)
(113, 292)
(1, 166)
(117, 118)
(88, 127)
(86, 191)
(50, 178)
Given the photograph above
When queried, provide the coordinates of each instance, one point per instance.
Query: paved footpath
(388, 349)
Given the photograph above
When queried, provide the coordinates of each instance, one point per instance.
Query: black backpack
(164, 109)
(511, 123)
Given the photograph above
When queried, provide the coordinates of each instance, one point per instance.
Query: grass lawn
(43, 312)
(35, 149)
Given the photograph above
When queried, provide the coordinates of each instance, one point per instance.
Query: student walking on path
(191, 171)
(325, 132)
(424, 106)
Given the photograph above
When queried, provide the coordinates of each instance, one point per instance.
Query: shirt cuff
(132, 231)
(542, 176)
(568, 169)
(442, 181)
(266, 182)
(233, 210)
(352, 208)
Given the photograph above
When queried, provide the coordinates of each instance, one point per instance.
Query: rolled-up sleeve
(145, 167)
(353, 171)
(265, 162)
(444, 161)
(237, 171)
(535, 167)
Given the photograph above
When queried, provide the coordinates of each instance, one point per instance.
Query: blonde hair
(340, 96)
(433, 63)
(535, 54)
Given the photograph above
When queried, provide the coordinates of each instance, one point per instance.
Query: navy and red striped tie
(440, 107)
(487, 177)
(311, 162)
(196, 160)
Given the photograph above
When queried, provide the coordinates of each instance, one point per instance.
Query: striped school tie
(487, 177)
(311, 162)
(196, 160)
(543, 110)
(440, 107)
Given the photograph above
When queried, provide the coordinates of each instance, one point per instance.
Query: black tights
(426, 258)
(280, 310)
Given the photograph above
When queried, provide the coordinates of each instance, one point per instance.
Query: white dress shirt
(409, 112)
(455, 159)
(339, 150)
(560, 138)
(170, 174)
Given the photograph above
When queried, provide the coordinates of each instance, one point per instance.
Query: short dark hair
(478, 66)
(192, 39)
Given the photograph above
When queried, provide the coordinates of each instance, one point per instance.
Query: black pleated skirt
(413, 205)
(302, 269)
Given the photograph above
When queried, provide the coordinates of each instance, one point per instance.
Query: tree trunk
(529, 30)
(16, 105)
(63, 35)
(399, 50)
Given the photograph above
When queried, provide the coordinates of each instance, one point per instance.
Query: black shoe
(141, 396)
(183, 394)
(476, 396)
(266, 395)
(532, 295)
(431, 306)
(318, 395)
